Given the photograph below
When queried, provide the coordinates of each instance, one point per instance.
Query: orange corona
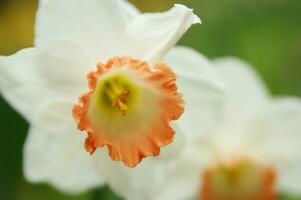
(128, 108)
(238, 180)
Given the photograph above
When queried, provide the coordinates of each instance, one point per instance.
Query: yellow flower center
(115, 93)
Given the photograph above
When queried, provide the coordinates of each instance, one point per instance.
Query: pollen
(128, 108)
(238, 180)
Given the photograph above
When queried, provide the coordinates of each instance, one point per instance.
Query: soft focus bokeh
(266, 33)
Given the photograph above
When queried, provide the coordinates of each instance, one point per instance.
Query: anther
(120, 102)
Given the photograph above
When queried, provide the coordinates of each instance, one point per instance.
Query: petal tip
(195, 19)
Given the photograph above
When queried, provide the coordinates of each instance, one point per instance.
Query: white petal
(275, 135)
(112, 28)
(244, 89)
(130, 183)
(136, 183)
(201, 87)
(181, 181)
(96, 24)
(54, 151)
(172, 150)
(152, 179)
(152, 35)
(33, 76)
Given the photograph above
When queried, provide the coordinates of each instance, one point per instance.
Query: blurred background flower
(265, 33)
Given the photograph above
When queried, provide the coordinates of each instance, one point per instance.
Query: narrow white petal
(152, 35)
(275, 135)
(244, 89)
(95, 24)
(201, 87)
(34, 76)
(54, 151)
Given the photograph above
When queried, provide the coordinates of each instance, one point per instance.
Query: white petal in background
(245, 91)
(54, 151)
(34, 76)
(274, 134)
(201, 87)
(182, 181)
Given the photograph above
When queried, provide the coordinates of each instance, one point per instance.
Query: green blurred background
(266, 33)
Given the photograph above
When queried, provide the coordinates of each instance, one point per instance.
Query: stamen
(117, 92)
(120, 102)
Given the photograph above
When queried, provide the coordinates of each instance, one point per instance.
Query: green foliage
(105, 193)
(289, 197)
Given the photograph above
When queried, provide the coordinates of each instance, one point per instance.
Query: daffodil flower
(162, 178)
(128, 101)
(252, 154)
(255, 152)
